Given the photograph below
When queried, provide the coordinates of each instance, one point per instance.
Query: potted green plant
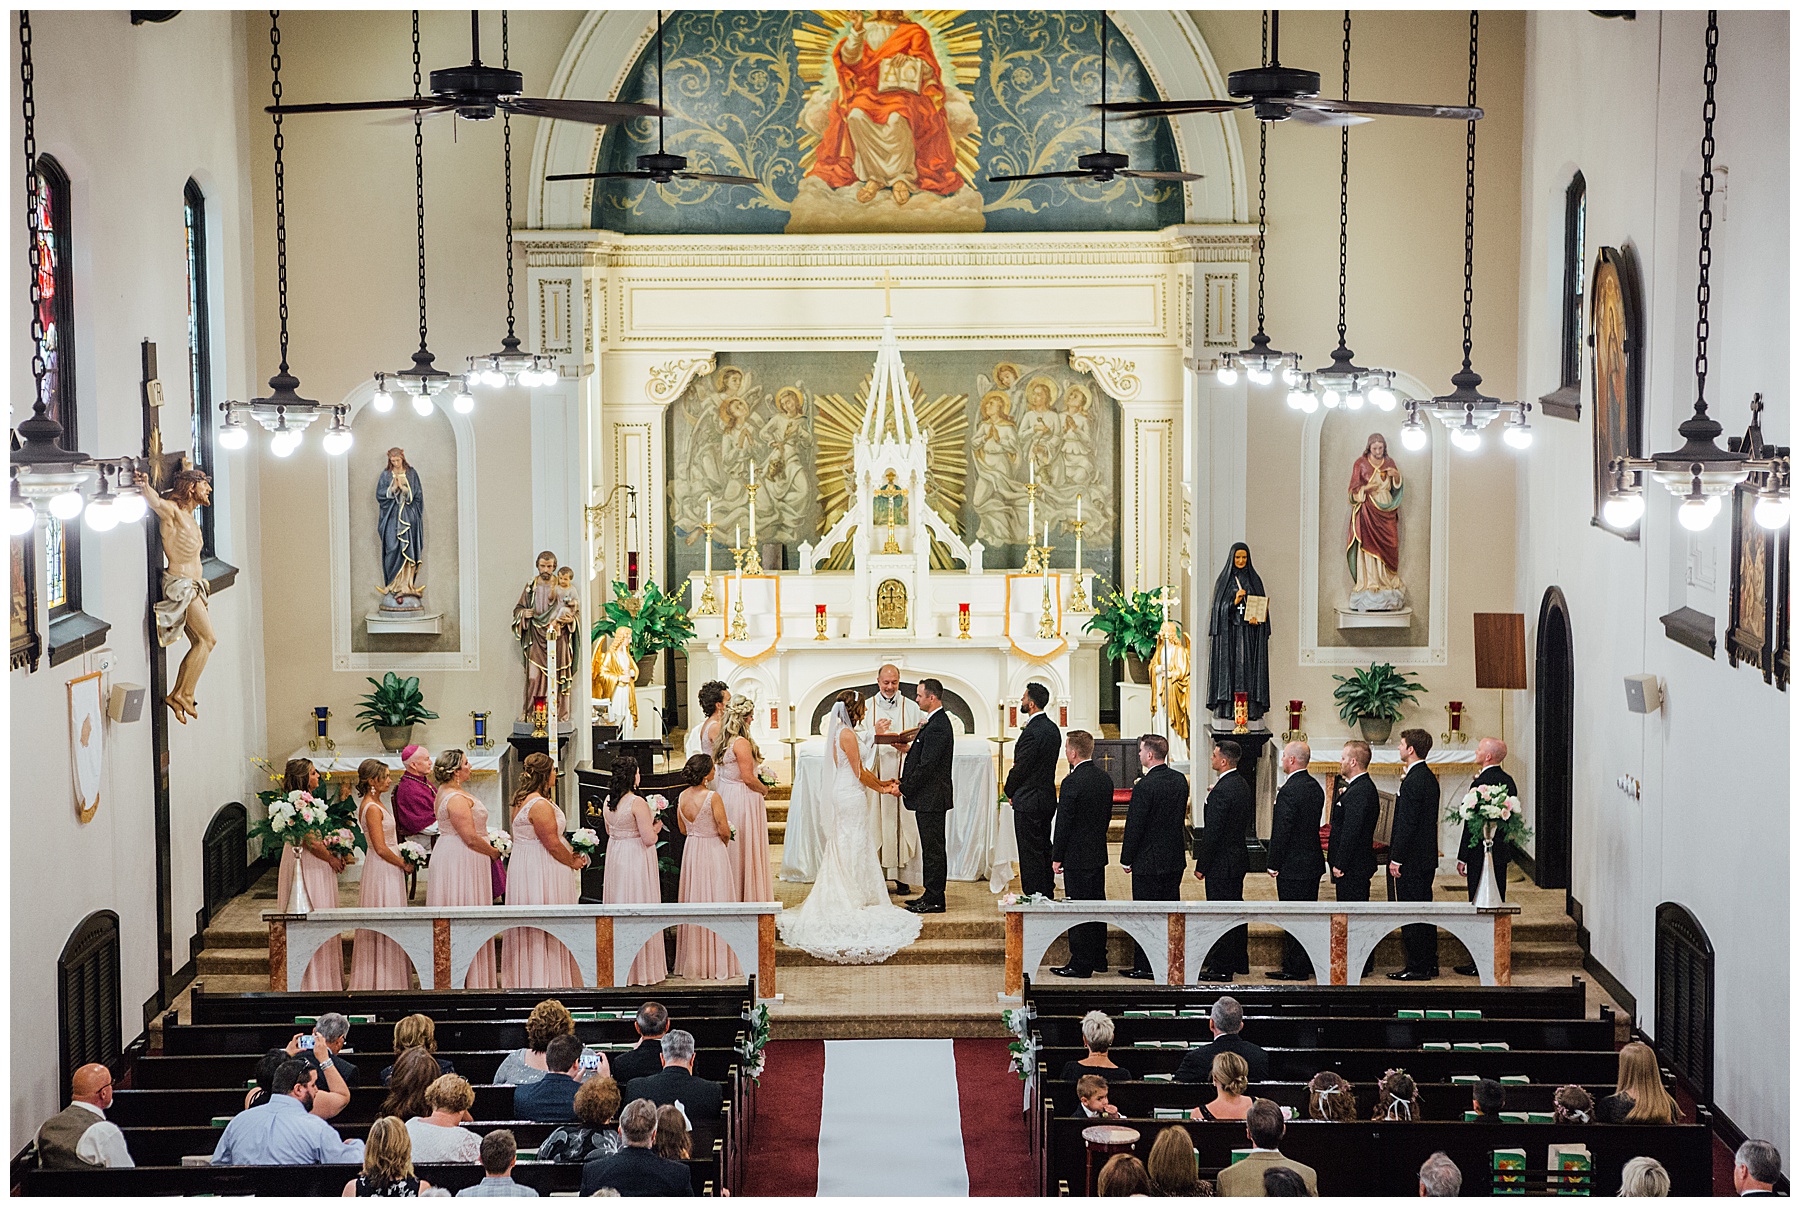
(657, 622)
(1130, 624)
(1370, 699)
(393, 708)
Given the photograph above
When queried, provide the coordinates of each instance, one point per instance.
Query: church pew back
(209, 1072)
(1361, 1001)
(1320, 1032)
(389, 1006)
(1437, 1100)
(378, 1038)
(287, 1181)
(1368, 1064)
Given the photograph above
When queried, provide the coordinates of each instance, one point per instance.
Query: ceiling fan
(478, 91)
(658, 166)
(1276, 93)
(1101, 165)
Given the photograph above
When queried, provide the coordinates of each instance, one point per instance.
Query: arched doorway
(1555, 788)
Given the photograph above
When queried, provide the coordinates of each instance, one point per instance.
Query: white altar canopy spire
(889, 394)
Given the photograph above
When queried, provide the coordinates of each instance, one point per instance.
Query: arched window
(87, 995)
(1565, 400)
(56, 313)
(199, 350)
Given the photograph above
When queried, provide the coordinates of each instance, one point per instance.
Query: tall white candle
(709, 509)
(1077, 509)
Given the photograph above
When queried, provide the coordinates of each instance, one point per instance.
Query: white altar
(978, 838)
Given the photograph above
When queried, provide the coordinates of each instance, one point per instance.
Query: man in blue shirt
(283, 1131)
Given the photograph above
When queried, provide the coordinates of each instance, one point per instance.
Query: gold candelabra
(709, 602)
(962, 623)
(1047, 625)
(1078, 600)
(540, 721)
(819, 625)
(752, 560)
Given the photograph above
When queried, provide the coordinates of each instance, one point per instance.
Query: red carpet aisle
(874, 1102)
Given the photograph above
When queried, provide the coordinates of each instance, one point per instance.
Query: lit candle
(1077, 509)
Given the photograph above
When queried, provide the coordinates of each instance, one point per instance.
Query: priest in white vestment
(897, 831)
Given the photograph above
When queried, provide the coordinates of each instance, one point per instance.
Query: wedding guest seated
(1230, 1077)
(328, 1036)
(551, 1098)
(674, 1142)
(80, 1136)
(1756, 1168)
(635, 1171)
(1091, 1098)
(549, 1019)
(1265, 1126)
(1439, 1178)
(1173, 1166)
(326, 1101)
(595, 1133)
(282, 1131)
(703, 1099)
(499, 1153)
(1123, 1177)
(1396, 1098)
(413, 1074)
(1643, 1178)
(416, 1031)
(1330, 1099)
(1572, 1104)
(1489, 1100)
(1227, 1028)
(1097, 1035)
(387, 1170)
(439, 1136)
(1283, 1183)
(645, 1060)
(1640, 1096)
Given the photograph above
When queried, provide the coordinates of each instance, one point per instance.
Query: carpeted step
(989, 956)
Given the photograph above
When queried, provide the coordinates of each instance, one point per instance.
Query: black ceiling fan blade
(599, 176)
(411, 102)
(711, 178)
(1459, 113)
(1168, 108)
(1041, 176)
(595, 113)
(1327, 118)
(1161, 175)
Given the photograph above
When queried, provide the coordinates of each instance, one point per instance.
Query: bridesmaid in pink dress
(543, 870)
(325, 971)
(705, 874)
(377, 961)
(631, 875)
(743, 794)
(461, 870)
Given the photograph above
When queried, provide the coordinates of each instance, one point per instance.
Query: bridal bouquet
(765, 775)
(1492, 803)
(412, 854)
(584, 842)
(501, 841)
(340, 842)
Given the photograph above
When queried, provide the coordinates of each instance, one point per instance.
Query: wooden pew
(460, 1034)
(1322, 1031)
(1437, 1100)
(205, 1072)
(1360, 1001)
(388, 1006)
(1368, 1064)
(287, 1181)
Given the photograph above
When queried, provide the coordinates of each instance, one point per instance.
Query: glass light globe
(464, 402)
(1290, 375)
(19, 518)
(1293, 399)
(1331, 398)
(234, 436)
(131, 507)
(1309, 402)
(493, 379)
(101, 516)
(1354, 400)
(1466, 438)
(67, 505)
(283, 443)
(1226, 376)
(1714, 504)
(1260, 377)
(1694, 515)
(337, 441)
(1771, 512)
(1383, 398)
(1412, 436)
(546, 377)
(383, 401)
(422, 404)
(1622, 511)
(1517, 435)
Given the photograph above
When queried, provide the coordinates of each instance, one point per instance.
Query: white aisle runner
(891, 1122)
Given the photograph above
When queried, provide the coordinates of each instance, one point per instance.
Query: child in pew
(1091, 1103)
(1572, 1104)
(1398, 1098)
(1488, 1100)
(1330, 1099)
(674, 1142)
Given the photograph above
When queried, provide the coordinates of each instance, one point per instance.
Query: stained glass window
(49, 262)
(62, 540)
(199, 354)
(1574, 278)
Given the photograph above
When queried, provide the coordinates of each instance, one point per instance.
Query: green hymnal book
(1495, 1045)
(1506, 1161)
(312, 1020)
(1238, 1154)
(1436, 1045)
(1463, 1079)
(1514, 1117)
(1167, 1112)
(1466, 1047)
(1515, 1079)
(585, 1016)
(1439, 1014)
(221, 1120)
(1540, 1117)
(1159, 1077)
(1194, 1014)
(1571, 1159)
(1135, 1014)
(1471, 1117)
(1468, 1014)
(1162, 1014)
(1409, 1014)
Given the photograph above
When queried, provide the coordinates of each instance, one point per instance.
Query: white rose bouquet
(766, 775)
(501, 841)
(584, 842)
(1492, 803)
(412, 854)
(293, 819)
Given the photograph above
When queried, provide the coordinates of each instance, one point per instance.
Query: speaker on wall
(1500, 650)
(126, 702)
(1643, 694)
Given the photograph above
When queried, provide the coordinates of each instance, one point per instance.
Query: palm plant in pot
(657, 622)
(393, 708)
(1370, 699)
(1130, 624)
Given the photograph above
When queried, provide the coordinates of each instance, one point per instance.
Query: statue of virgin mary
(401, 527)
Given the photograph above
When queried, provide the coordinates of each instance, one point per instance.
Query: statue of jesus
(184, 590)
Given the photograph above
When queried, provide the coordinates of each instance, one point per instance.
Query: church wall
(1404, 313)
(129, 136)
(1620, 101)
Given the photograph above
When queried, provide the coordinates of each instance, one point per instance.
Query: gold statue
(1171, 662)
(614, 668)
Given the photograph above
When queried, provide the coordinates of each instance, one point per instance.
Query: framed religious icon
(27, 645)
(1784, 586)
(1750, 635)
(1616, 334)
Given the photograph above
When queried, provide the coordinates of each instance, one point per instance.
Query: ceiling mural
(885, 121)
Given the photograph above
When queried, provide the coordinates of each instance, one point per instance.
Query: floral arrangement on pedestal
(1023, 1047)
(750, 1048)
(1500, 815)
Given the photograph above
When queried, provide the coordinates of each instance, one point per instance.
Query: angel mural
(1372, 549)
(786, 473)
(716, 454)
(998, 495)
(1043, 418)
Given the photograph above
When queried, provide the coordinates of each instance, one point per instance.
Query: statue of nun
(1238, 659)
(401, 526)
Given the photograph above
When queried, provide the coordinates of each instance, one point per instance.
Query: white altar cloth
(978, 837)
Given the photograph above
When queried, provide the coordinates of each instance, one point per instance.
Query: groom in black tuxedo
(1031, 786)
(926, 789)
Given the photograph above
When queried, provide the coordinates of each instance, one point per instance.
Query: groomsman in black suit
(1154, 852)
(926, 789)
(1079, 851)
(1412, 851)
(1353, 818)
(1221, 860)
(1296, 860)
(1031, 787)
(1489, 754)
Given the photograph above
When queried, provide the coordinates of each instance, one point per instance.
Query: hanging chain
(1265, 50)
(506, 139)
(1344, 193)
(1703, 293)
(28, 110)
(1262, 212)
(280, 183)
(1469, 197)
(419, 173)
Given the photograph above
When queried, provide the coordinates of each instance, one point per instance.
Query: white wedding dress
(847, 917)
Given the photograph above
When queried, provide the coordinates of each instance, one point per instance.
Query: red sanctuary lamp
(1240, 712)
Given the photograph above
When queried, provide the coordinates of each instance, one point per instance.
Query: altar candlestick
(740, 535)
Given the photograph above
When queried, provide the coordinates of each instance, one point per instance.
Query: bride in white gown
(847, 917)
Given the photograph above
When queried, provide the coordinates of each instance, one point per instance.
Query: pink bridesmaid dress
(377, 961)
(530, 958)
(705, 876)
(461, 876)
(746, 810)
(325, 971)
(631, 879)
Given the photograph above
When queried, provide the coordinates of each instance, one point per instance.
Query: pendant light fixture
(423, 380)
(47, 477)
(1344, 382)
(1260, 361)
(283, 414)
(512, 365)
(1465, 411)
(1700, 473)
